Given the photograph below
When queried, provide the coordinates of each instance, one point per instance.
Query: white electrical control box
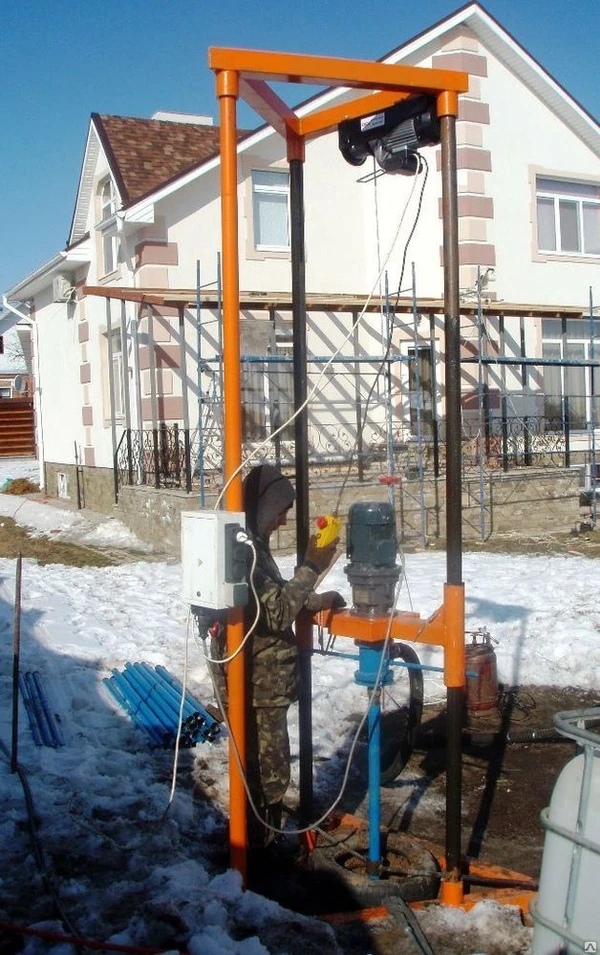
(213, 559)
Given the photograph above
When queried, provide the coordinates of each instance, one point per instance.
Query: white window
(270, 209)
(576, 382)
(117, 372)
(110, 251)
(107, 200)
(109, 242)
(568, 216)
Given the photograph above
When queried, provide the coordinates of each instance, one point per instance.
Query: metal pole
(16, 657)
(126, 391)
(480, 405)
(357, 399)
(111, 390)
(199, 380)
(186, 409)
(593, 378)
(138, 398)
(228, 92)
(415, 319)
(434, 408)
(303, 624)
(153, 398)
(454, 592)
(389, 316)
(220, 340)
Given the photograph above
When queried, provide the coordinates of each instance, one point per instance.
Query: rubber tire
(400, 727)
(328, 861)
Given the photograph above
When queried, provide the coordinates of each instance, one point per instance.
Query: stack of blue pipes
(151, 696)
(42, 721)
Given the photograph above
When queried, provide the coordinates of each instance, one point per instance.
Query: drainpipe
(38, 388)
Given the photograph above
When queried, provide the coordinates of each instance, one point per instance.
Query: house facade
(128, 316)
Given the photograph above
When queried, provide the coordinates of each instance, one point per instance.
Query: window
(568, 216)
(109, 242)
(117, 372)
(577, 382)
(270, 209)
(107, 200)
(267, 384)
(1, 345)
(420, 389)
(110, 252)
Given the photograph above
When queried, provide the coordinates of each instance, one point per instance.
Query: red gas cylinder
(482, 685)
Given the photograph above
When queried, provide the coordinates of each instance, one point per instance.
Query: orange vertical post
(228, 92)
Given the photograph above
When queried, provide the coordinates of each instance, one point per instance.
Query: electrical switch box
(214, 559)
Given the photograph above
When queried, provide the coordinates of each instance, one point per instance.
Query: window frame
(106, 228)
(564, 194)
(281, 191)
(261, 251)
(555, 341)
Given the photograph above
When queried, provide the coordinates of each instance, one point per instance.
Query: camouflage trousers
(267, 757)
(268, 769)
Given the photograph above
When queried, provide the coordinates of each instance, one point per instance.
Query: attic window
(107, 199)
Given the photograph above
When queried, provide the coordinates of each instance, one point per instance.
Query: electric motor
(372, 549)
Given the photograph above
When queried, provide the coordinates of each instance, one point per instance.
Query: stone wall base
(524, 502)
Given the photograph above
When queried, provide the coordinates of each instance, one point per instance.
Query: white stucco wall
(524, 135)
(58, 383)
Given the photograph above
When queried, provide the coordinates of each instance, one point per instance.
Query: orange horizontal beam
(328, 118)
(335, 71)
(402, 626)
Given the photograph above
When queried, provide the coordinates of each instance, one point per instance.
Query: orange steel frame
(247, 74)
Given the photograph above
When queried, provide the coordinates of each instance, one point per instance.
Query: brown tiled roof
(145, 154)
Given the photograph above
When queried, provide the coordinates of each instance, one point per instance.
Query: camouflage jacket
(272, 657)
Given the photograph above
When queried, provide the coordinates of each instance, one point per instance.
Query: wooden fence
(17, 428)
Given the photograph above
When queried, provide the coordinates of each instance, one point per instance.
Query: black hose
(401, 910)
(481, 738)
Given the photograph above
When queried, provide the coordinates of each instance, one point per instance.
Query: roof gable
(515, 57)
(142, 155)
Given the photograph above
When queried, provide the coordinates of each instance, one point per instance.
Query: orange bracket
(444, 628)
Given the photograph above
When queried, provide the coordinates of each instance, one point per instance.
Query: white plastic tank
(567, 910)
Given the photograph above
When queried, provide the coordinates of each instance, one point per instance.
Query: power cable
(388, 345)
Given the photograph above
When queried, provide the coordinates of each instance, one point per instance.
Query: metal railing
(173, 457)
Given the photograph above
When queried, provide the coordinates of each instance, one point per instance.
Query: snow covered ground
(105, 795)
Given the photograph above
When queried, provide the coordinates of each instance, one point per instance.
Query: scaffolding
(397, 437)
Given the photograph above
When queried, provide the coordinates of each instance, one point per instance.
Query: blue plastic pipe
(35, 730)
(123, 694)
(197, 707)
(150, 694)
(38, 709)
(374, 785)
(55, 732)
(139, 708)
(168, 691)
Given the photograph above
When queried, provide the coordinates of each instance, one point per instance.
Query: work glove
(330, 600)
(320, 558)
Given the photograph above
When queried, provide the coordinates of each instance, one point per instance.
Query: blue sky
(63, 60)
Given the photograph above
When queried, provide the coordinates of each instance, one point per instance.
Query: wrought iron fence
(171, 457)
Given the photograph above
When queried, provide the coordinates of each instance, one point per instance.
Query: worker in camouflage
(271, 654)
